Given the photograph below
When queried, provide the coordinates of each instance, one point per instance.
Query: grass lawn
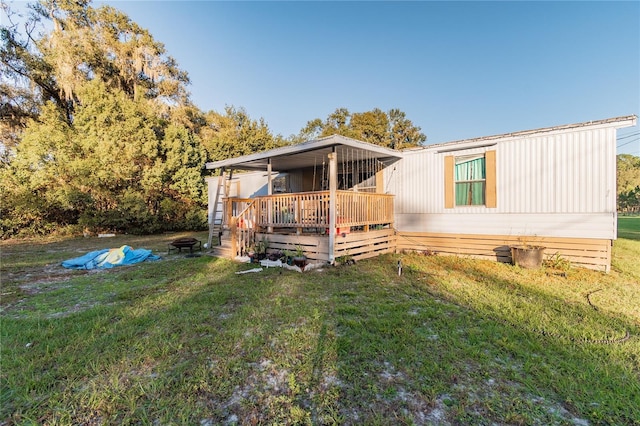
(186, 340)
(629, 227)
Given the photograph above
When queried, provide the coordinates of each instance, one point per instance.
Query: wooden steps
(224, 249)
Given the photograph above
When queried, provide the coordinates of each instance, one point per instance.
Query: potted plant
(276, 255)
(299, 258)
(261, 248)
(251, 252)
(287, 257)
(527, 255)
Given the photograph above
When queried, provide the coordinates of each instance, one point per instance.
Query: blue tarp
(108, 258)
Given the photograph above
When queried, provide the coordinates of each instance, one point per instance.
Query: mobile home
(554, 187)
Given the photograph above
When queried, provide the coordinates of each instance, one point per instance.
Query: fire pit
(181, 243)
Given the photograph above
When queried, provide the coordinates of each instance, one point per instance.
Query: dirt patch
(31, 280)
(20, 286)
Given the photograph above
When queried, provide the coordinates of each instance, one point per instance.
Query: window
(470, 178)
(279, 184)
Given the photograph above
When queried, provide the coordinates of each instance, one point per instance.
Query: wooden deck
(363, 221)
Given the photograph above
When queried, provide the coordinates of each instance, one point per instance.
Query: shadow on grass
(546, 334)
(349, 345)
(89, 364)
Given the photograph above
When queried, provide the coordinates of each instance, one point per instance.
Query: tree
(235, 133)
(403, 133)
(17, 106)
(311, 131)
(371, 126)
(101, 129)
(337, 123)
(38, 185)
(156, 181)
(628, 172)
(181, 194)
(628, 182)
(85, 44)
(390, 129)
(106, 44)
(117, 166)
(26, 79)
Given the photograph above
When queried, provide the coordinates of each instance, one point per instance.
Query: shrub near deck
(186, 340)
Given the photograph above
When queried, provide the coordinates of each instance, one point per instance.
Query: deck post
(269, 192)
(333, 182)
(233, 226)
(298, 213)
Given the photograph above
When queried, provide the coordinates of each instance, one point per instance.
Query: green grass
(629, 227)
(188, 341)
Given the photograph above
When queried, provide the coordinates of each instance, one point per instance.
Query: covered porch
(304, 219)
(326, 197)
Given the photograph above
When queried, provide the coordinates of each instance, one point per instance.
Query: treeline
(628, 180)
(98, 130)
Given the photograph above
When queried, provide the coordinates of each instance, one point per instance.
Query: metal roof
(307, 154)
(618, 122)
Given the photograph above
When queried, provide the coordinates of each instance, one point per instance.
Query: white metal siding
(570, 225)
(564, 173)
(243, 185)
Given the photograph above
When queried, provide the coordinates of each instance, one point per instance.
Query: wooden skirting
(362, 245)
(357, 245)
(584, 252)
(316, 247)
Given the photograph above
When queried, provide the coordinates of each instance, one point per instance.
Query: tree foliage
(37, 185)
(101, 130)
(118, 166)
(234, 133)
(88, 43)
(98, 129)
(26, 81)
(628, 180)
(628, 172)
(390, 129)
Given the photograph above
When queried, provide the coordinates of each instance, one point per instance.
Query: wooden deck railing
(240, 216)
(299, 210)
(363, 208)
(311, 209)
(234, 206)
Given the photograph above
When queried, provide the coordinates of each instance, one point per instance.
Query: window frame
(466, 158)
(490, 181)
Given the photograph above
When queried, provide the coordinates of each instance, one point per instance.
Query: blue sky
(458, 69)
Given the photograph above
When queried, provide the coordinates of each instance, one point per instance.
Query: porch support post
(269, 192)
(269, 180)
(333, 185)
(227, 188)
